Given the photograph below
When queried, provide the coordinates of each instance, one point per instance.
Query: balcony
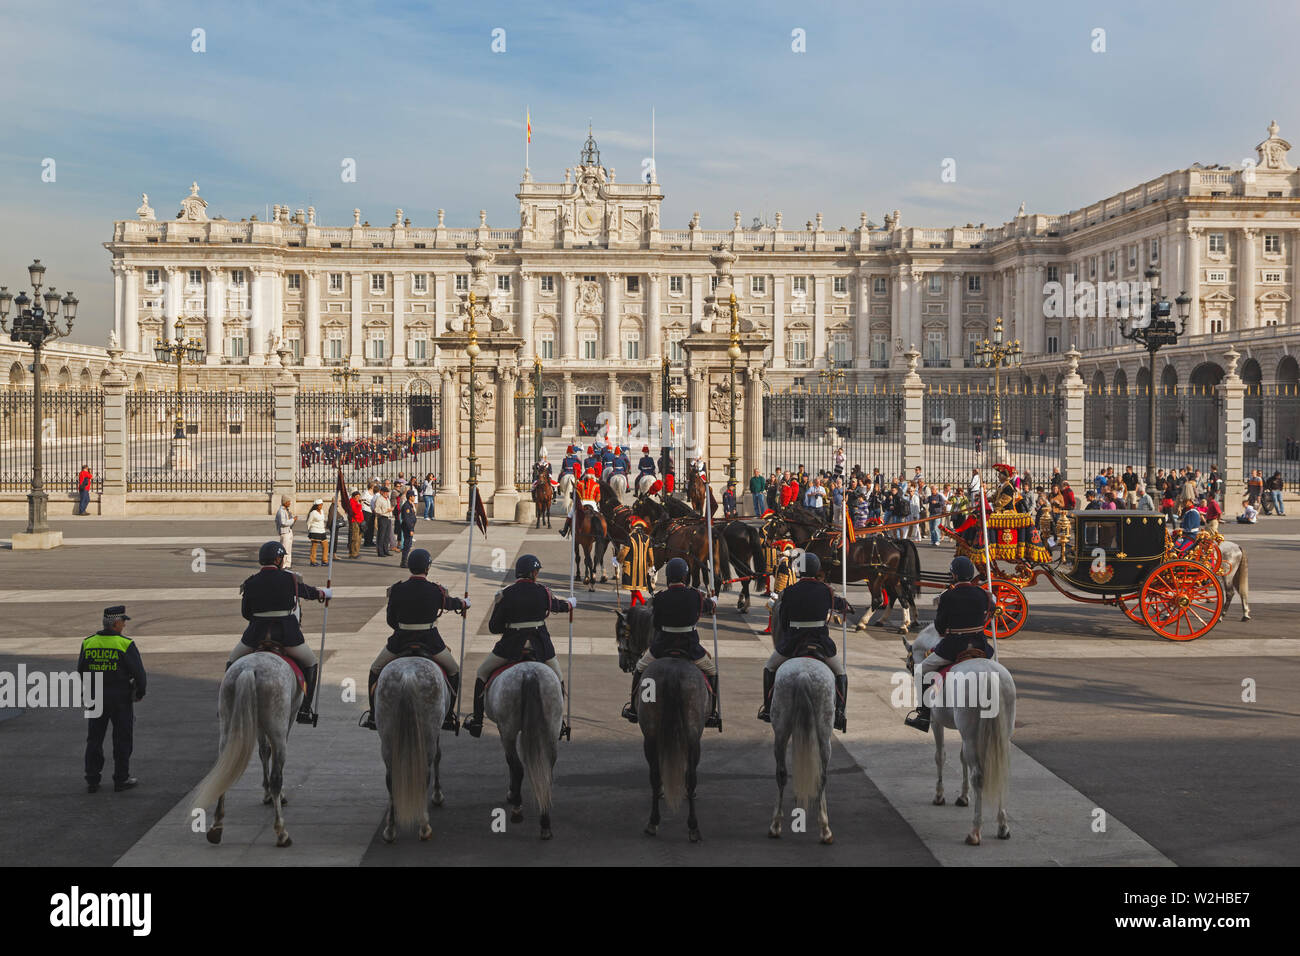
(879, 363)
(936, 363)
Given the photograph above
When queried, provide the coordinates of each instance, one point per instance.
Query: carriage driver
(519, 616)
(676, 611)
(801, 620)
(414, 606)
(963, 611)
(270, 606)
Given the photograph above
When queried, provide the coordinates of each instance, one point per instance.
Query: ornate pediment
(1272, 152)
(193, 207)
(590, 300)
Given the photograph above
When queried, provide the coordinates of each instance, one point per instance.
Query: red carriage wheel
(1181, 600)
(1012, 611)
(1134, 612)
(1208, 554)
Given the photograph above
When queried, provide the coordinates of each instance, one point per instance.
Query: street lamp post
(36, 326)
(537, 408)
(344, 376)
(997, 356)
(1153, 330)
(178, 353)
(472, 350)
(733, 353)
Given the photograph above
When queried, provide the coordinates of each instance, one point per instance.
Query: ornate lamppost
(1153, 330)
(345, 375)
(35, 326)
(733, 354)
(997, 356)
(472, 350)
(178, 353)
(537, 408)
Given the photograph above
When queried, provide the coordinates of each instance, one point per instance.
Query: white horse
(411, 700)
(527, 704)
(985, 740)
(565, 492)
(1234, 577)
(643, 484)
(619, 484)
(258, 700)
(803, 706)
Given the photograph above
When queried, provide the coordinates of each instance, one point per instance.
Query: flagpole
(573, 560)
(528, 134)
(329, 583)
(708, 520)
(844, 569)
(469, 551)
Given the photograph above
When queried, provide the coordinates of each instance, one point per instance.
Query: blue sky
(413, 92)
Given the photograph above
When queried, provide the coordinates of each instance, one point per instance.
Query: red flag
(480, 513)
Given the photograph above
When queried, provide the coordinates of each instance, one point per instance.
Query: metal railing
(1271, 431)
(805, 427)
(1116, 421)
(369, 434)
(72, 435)
(227, 444)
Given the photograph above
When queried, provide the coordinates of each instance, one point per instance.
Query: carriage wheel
(1181, 600)
(1012, 611)
(1208, 554)
(1133, 612)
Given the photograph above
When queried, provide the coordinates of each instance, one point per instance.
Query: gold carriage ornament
(1103, 574)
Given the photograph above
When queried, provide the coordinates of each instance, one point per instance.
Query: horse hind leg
(656, 785)
(778, 814)
(939, 800)
(438, 797)
(426, 831)
(514, 796)
(692, 774)
(977, 779)
(963, 800)
(823, 818)
(264, 752)
(277, 786)
(218, 821)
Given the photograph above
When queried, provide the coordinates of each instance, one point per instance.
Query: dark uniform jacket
(964, 606)
(569, 462)
(807, 601)
(418, 601)
(646, 466)
(527, 602)
(678, 606)
(269, 591)
(118, 659)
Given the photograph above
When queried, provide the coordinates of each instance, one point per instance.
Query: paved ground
(1152, 733)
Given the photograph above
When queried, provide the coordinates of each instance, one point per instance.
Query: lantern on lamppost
(997, 355)
(177, 353)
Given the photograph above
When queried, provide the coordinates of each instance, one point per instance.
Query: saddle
(970, 654)
(528, 656)
(271, 647)
(810, 649)
(683, 654)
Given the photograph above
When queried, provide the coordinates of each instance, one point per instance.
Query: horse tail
(993, 738)
(240, 734)
(674, 726)
(534, 737)
(909, 569)
(758, 562)
(1241, 581)
(410, 764)
(724, 562)
(807, 747)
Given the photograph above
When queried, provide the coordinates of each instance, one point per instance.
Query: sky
(862, 119)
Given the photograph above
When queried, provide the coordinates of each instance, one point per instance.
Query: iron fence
(224, 441)
(72, 435)
(369, 435)
(1271, 431)
(806, 426)
(528, 442)
(1116, 423)
(957, 431)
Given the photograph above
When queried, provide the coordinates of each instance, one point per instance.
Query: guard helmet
(962, 569)
(543, 452)
(677, 571)
(270, 553)
(419, 561)
(812, 565)
(527, 566)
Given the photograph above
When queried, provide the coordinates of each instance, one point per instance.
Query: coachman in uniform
(801, 621)
(109, 652)
(637, 565)
(676, 612)
(270, 606)
(414, 606)
(963, 611)
(519, 615)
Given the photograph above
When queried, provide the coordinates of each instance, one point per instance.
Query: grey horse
(527, 704)
(258, 699)
(411, 700)
(1234, 576)
(671, 709)
(803, 707)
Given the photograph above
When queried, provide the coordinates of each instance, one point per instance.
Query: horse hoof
(389, 834)
(902, 630)
(860, 627)
(214, 835)
(963, 802)
(266, 799)
(939, 801)
(1004, 833)
(774, 832)
(972, 839)
(284, 799)
(1245, 617)
(651, 829)
(694, 836)
(828, 838)
(516, 816)
(283, 840)
(546, 833)
(426, 832)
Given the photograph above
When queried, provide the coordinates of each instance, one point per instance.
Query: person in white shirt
(317, 533)
(368, 514)
(383, 509)
(284, 519)
(973, 489)
(1249, 514)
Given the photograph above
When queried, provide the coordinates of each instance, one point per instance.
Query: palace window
(1052, 347)
(237, 277)
(1154, 250)
(420, 283)
(336, 281)
(713, 283)
(378, 282)
(631, 345)
(236, 346)
(152, 277)
(879, 285)
(935, 283)
(546, 345)
(798, 348)
(676, 354)
(973, 340)
(1092, 268)
(675, 284)
(295, 348)
(840, 354)
(1053, 274)
(934, 346)
(1272, 277)
(334, 347)
(798, 285)
(589, 345)
(550, 411)
(973, 283)
(462, 282)
(840, 285)
(1216, 324)
(1216, 275)
(1272, 243)
(295, 282)
(633, 284)
(588, 278)
(758, 285)
(1132, 257)
(375, 346)
(419, 349)
(1110, 262)
(503, 283)
(548, 283)
(1218, 242)
(196, 278)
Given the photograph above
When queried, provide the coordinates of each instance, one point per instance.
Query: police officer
(109, 652)
(801, 620)
(519, 615)
(270, 606)
(963, 611)
(676, 612)
(414, 606)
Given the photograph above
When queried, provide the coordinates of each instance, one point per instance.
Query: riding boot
(449, 722)
(919, 718)
(841, 701)
(368, 718)
(715, 718)
(305, 715)
(564, 532)
(769, 679)
(629, 709)
(473, 724)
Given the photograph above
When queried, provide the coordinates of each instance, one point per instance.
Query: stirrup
(473, 725)
(367, 721)
(629, 714)
(451, 723)
(307, 717)
(919, 718)
(564, 729)
(713, 720)
(764, 715)
(841, 722)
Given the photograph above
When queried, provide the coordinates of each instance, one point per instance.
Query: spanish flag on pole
(528, 123)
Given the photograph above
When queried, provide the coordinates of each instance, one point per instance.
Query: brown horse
(678, 532)
(698, 491)
(590, 539)
(543, 496)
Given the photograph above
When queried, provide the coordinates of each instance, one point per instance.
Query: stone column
(113, 497)
(1008, 306)
(277, 304)
(897, 322)
(914, 309)
(311, 327)
(257, 322)
(119, 286)
(131, 312)
(447, 501)
(171, 302)
(355, 334)
(752, 444)
(568, 319)
(505, 500)
(955, 359)
(216, 339)
(778, 322)
(1072, 412)
(1246, 312)
(398, 359)
(526, 309)
(1037, 322)
(698, 417)
(439, 304)
(913, 414)
(565, 412)
(819, 321)
(613, 304)
(1231, 451)
(286, 437)
(1192, 281)
(654, 347)
(862, 324)
(613, 397)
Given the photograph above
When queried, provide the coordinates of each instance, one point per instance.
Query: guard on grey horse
(963, 611)
(676, 612)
